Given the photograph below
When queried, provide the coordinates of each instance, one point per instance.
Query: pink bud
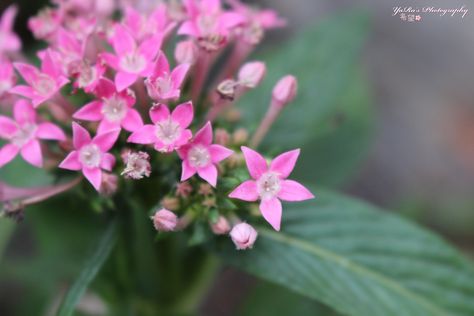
(109, 184)
(221, 227)
(243, 235)
(252, 73)
(164, 220)
(285, 90)
(186, 52)
(222, 137)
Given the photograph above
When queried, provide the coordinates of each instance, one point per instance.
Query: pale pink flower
(7, 76)
(164, 220)
(201, 156)
(131, 60)
(91, 155)
(23, 134)
(45, 24)
(69, 46)
(142, 25)
(9, 41)
(186, 52)
(87, 76)
(164, 84)
(42, 84)
(137, 165)
(243, 235)
(169, 130)
(270, 184)
(221, 226)
(112, 108)
(284, 91)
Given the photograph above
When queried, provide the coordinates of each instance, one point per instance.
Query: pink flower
(69, 46)
(87, 76)
(45, 24)
(186, 52)
(201, 156)
(23, 134)
(208, 23)
(9, 41)
(91, 155)
(142, 26)
(7, 76)
(284, 91)
(269, 184)
(113, 109)
(169, 130)
(221, 227)
(243, 235)
(165, 85)
(132, 61)
(164, 220)
(42, 84)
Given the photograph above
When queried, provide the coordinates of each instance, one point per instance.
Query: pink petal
(293, 191)
(209, 173)
(110, 60)
(7, 127)
(124, 80)
(8, 18)
(132, 121)
(107, 126)
(94, 175)
(219, 153)
(204, 135)
(23, 112)
(178, 75)
(159, 112)
(80, 136)
(230, 19)
(24, 91)
(7, 153)
(284, 163)
(256, 164)
(90, 112)
(144, 135)
(107, 162)
(37, 101)
(123, 42)
(28, 72)
(105, 88)
(183, 114)
(161, 66)
(186, 135)
(187, 171)
(150, 47)
(49, 66)
(50, 131)
(31, 152)
(188, 28)
(246, 191)
(71, 162)
(271, 211)
(106, 140)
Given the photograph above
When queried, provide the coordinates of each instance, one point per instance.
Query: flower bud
(186, 52)
(164, 220)
(137, 165)
(251, 74)
(240, 136)
(184, 189)
(243, 235)
(109, 184)
(226, 89)
(170, 203)
(221, 227)
(221, 137)
(285, 90)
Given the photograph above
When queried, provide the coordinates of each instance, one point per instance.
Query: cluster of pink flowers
(121, 72)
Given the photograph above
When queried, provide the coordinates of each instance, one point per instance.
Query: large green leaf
(361, 261)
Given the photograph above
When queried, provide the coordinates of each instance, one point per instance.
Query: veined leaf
(361, 261)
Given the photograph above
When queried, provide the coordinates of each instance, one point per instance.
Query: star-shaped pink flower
(9, 41)
(169, 130)
(91, 155)
(113, 109)
(201, 156)
(270, 184)
(23, 134)
(142, 25)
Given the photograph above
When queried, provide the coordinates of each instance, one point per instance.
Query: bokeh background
(421, 157)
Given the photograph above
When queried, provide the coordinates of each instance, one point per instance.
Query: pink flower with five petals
(23, 133)
(131, 60)
(270, 184)
(169, 130)
(91, 155)
(164, 84)
(201, 156)
(113, 109)
(9, 41)
(42, 84)
(142, 25)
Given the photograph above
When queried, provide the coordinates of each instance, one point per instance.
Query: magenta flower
(9, 41)
(169, 131)
(42, 84)
(142, 26)
(131, 61)
(270, 185)
(113, 109)
(165, 85)
(87, 76)
(7, 76)
(46, 23)
(91, 155)
(23, 133)
(201, 156)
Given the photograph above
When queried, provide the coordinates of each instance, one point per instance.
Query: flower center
(207, 24)
(268, 185)
(90, 156)
(199, 156)
(24, 134)
(44, 85)
(168, 131)
(114, 109)
(87, 75)
(163, 84)
(133, 63)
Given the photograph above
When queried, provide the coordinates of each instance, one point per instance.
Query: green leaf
(7, 227)
(89, 272)
(361, 261)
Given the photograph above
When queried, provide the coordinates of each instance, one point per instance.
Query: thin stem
(201, 71)
(267, 122)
